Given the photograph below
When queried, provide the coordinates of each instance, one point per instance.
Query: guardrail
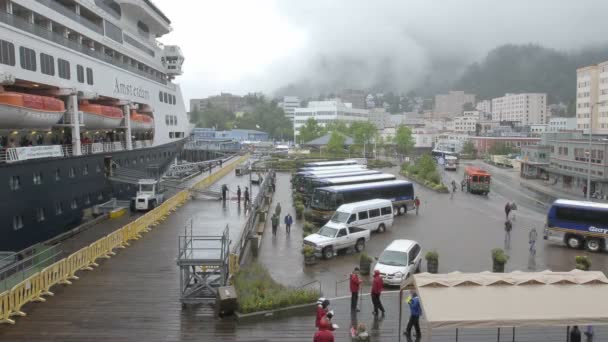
(39, 284)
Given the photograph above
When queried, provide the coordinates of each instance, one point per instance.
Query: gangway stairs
(203, 264)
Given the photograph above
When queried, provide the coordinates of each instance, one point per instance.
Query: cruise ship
(85, 90)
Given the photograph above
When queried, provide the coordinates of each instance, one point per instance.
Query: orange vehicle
(477, 180)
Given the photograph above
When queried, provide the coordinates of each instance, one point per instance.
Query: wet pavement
(463, 230)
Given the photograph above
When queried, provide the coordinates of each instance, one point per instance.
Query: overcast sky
(240, 46)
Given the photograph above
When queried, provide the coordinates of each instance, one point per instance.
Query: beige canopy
(515, 299)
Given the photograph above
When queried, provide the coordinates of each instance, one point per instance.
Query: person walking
(238, 194)
(417, 204)
(462, 185)
(415, 311)
(246, 196)
(224, 192)
(324, 334)
(322, 310)
(589, 333)
(532, 240)
(376, 292)
(277, 209)
(355, 284)
(585, 191)
(575, 334)
(221, 162)
(508, 228)
(275, 224)
(507, 210)
(454, 187)
(288, 222)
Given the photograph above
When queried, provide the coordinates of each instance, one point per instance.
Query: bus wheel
(403, 210)
(593, 245)
(573, 241)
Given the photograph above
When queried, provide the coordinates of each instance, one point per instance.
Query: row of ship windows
(125, 162)
(27, 58)
(60, 207)
(171, 120)
(37, 179)
(166, 98)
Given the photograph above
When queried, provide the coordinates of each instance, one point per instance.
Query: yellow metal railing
(39, 284)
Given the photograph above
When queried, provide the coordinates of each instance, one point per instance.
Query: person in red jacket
(376, 291)
(355, 283)
(323, 335)
(322, 310)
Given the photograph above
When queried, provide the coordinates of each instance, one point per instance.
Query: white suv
(399, 261)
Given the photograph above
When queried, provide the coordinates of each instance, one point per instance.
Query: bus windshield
(324, 200)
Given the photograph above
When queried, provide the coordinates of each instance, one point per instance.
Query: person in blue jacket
(415, 311)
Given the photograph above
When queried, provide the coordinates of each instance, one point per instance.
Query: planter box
(432, 266)
(312, 260)
(498, 268)
(296, 310)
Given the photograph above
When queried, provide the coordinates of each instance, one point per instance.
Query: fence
(39, 284)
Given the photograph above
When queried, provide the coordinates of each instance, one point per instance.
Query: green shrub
(431, 255)
(582, 263)
(299, 210)
(434, 177)
(308, 251)
(257, 291)
(499, 256)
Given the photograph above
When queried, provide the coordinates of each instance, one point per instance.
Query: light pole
(588, 192)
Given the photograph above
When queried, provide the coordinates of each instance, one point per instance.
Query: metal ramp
(203, 263)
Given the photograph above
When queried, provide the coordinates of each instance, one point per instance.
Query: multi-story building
(524, 109)
(325, 112)
(229, 102)
(557, 124)
(355, 97)
(592, 98)
(289, 104)
(449, 141)
(377, 117)
(484, 144)
(484, 106)
(538, 129)
(451, 104)
(467, 122)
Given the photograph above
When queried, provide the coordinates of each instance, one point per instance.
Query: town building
(538, 129)
(378, 116)
(452, 104)
(289, 105)
(424, 138)
(240, 135)
(325, 112)
(442, 124)
(484, 106)
(523, 109)
(467, 122)
(227, 101)
(561, 124)
(450, 141)
(592, 98)
(484, 144)
(355, 97)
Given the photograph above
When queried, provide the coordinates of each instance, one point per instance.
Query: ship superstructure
(85, 88)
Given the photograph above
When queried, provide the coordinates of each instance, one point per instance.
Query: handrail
(312, 282)
(340, 282)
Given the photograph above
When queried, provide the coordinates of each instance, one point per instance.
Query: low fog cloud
(396, 45)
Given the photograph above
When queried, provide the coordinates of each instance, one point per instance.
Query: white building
(538, 128)
(484, 106)
(290, 103)
(467, 122)
(449, 141)
(592, 98)
(325, 112)
(526, 109)
(451, 104)
(377, 117)
(442, 124)
(424, 137)
(561, 124)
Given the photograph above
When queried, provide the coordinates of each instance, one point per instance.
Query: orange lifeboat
(141, 122)
(100, 117)
(20, 110)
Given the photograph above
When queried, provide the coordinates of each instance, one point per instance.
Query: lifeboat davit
(141, 122)
(20, 110)
(100, 117)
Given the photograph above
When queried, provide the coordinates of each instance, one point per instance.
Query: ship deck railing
(13, 154)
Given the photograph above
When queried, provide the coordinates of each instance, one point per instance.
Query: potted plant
(309, 255)
(365, 263)
(582, 263)
(299, 210)
(432, 261)
(499, 259)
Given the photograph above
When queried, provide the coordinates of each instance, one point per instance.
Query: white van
(374, 215)
(400, 260)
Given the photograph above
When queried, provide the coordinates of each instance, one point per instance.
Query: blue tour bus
(578, 224)
(345, 180)
(308, 179)
(332, 163)
(326, 200)
(302, 172)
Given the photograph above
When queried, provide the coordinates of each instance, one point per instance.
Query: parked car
(399, 261)
(375, 215)
(333, 237)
